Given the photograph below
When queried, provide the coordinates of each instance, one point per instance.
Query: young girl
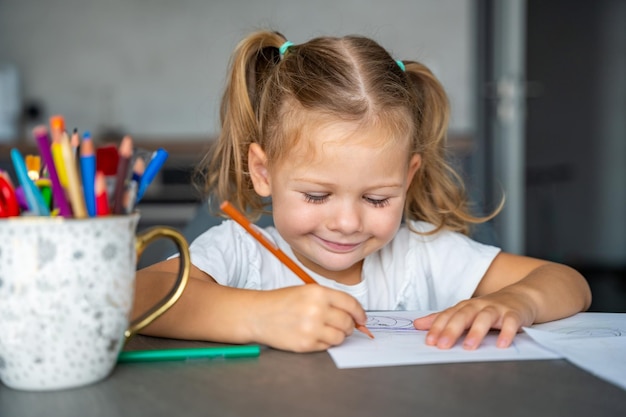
(345, 143)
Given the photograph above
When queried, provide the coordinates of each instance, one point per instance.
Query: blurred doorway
(561, 67)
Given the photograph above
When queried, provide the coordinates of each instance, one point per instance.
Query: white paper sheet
(398, 343)
(595, 342)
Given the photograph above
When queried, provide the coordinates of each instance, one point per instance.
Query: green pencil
(159, 355)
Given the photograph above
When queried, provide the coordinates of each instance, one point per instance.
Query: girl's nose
(345, 218)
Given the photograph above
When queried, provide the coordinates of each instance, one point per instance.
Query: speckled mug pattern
(66, 291)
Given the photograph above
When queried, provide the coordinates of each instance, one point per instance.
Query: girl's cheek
(296, 221)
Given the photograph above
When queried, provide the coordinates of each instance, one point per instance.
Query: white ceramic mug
(66, 292)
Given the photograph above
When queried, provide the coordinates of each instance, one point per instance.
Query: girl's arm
(301, 318)
(516, 291)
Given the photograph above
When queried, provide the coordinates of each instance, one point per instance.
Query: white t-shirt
(412, 272)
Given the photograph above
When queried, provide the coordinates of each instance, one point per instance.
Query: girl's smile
(337, 246)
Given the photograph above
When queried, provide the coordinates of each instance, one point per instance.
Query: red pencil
(125, 154)
(102, 199)
(237, 216)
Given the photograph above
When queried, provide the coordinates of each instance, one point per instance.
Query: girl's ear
(414, 165)
(257, 165)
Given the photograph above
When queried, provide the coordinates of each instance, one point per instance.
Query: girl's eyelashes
(377, 202)
(315, 198)
(321, 198)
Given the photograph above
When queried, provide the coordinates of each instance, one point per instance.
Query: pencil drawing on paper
(388, 322)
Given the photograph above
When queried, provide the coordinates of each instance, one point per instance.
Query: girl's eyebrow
(331, 184)
(313, 181)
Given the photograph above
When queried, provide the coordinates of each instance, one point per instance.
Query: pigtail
(223, 173)
(437, 194)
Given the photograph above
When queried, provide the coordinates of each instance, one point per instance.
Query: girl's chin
(330, 268)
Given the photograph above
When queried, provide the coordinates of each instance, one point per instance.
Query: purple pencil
(41, 135)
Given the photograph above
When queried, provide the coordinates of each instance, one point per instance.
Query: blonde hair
(351, 78)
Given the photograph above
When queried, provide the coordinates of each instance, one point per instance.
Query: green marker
(160, 355)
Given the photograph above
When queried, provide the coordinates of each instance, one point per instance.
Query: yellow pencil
(59, 164)
(57, 127)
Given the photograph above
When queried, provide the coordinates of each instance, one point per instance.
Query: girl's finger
(510, 326)
(340, 320)
(330, 336)
(483, 322)
(424, 323)
(454, 327)
(437, 325)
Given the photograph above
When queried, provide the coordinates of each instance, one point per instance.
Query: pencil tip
(126, 147)
(140, 165)
(40, 130)
(57, 122)
(365, 330)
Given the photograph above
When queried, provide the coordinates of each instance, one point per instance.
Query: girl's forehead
(322, 136)
(339, 144)
(306, 135)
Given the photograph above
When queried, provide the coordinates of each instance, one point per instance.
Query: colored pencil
(237, 216)
(36, 203)
(159, 355)
(74, 190)
(152, 169)
(58, 193)
(125, 154)
(57, 126)
(88, 173)
(57, 156)
(107, 158)
(75, 141)
(102, 198)
(139, 167)
(130, 197)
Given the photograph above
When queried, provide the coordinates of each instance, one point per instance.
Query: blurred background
(537, 89)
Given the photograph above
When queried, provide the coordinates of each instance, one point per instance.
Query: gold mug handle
(142, 240)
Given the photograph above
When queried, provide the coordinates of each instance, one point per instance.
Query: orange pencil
(286, 260)
(57, 126)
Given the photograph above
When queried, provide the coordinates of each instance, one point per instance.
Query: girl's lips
(338, 247)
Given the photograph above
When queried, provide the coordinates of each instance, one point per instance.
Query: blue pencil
(34, 199)
(88, 173)
(152, 169)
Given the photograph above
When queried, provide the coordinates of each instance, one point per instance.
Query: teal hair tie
(401, 65)
(283, 48)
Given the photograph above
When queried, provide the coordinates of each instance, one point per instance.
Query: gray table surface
(289, 384)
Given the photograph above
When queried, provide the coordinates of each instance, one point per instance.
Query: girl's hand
(302, 318)
(305, 318)
(515, 291)
(502, 310)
